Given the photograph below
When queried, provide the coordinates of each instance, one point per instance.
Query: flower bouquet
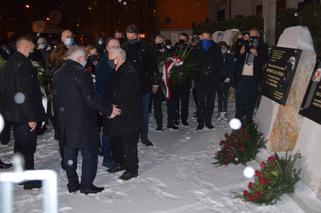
(41, 75)
(177, 67)
(275, 177)
(240, 146)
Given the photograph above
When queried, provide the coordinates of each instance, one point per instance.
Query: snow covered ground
(175, 176)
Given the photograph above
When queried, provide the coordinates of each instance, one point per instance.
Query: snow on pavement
(175, 176)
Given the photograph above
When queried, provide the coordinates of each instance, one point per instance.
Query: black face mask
(93, 58)
(160, 46)
(111, 64)
(133, 41)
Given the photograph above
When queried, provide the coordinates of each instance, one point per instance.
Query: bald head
(25, 46)
(67, 37)
(112, 44)
(118, 56)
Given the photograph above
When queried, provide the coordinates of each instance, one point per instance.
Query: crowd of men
(111, 87)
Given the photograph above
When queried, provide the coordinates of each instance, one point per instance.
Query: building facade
(220, 10)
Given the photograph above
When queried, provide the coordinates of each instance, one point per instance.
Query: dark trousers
(25, 143)
(89, 165)
(124, 151)
(205, 98)
(157, 103)
(246, 95)
(182, 104)
(223, 91)
(5, 134)
(171, 110)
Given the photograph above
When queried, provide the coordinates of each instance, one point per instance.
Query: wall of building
(180, 14)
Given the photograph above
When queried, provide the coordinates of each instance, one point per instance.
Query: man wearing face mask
(207, 56)
(124, 91)
(76, 104)
(226, 75)
(249, 76)
(103, 72)
(142, 57)
(180, 96)
(21, 103)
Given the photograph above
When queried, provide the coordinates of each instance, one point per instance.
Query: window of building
(303, 3)
(259, 10)
(221, 15)
(280, 5)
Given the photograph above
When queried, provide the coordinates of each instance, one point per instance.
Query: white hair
(75, 51)
(118, 52)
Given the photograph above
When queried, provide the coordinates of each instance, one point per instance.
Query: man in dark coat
(253, 56)
(103, 72)
(21, 103)
(123, 91)
(75, 106)
(142, 57)
(207, 55)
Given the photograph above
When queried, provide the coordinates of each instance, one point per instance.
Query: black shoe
(159, 128)
(185, 123)
(41, 130)
(34, 184)
(209, 126)
(73, 189)
(128, 175)
(174, 127)
(92, 189)
(147, 142)
(116, 168)
(200, 127)
(5, 165)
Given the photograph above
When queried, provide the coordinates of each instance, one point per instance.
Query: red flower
(251, 198)
(245, 193)
(250, 185)
(247, 137)
(262, 164)
(258, 173)
(271, 159)
(257, 194)
(240, 148)
(263, 181)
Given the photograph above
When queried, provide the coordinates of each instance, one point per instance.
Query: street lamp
(27, 6)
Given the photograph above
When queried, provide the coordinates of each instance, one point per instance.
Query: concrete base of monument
(265, 117)
(309, 146)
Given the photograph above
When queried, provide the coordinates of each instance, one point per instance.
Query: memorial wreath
(240, 146)
(275, 177)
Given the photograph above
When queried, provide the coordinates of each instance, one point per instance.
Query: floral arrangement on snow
(177, 67)
(275, 177)
(240, 146)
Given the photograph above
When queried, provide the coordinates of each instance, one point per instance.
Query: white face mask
(41, 46)
(83, 63)
(68, 42)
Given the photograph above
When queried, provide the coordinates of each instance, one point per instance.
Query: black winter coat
(208, 63)
(19, 77)
(75, 104)
(142, 57)
(259, 62)
(123, 91)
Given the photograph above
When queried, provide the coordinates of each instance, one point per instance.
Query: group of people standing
(99, 96)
